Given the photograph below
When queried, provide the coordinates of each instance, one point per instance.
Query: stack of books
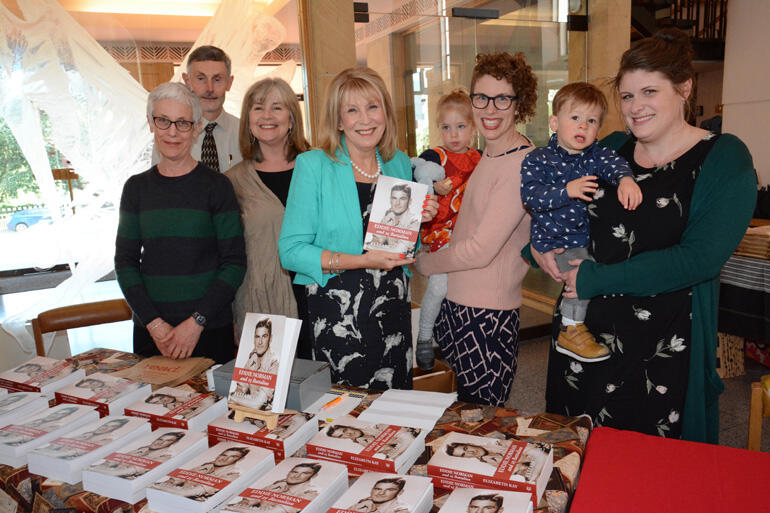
(16, 440)
(263, 366)
(291, 433)
(110, 395)
(174, 407)
(365, 446)
(387, 493)
(483, 500)
(65, 457)
(294, 485)
(18, 405)
(467, 461)
(125, 474)
(756, 243)
(208, 479)
(41, 374)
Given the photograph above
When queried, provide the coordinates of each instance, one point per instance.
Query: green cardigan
(722, 205)
(322, 212)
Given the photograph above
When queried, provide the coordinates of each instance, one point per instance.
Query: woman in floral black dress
(654, 285)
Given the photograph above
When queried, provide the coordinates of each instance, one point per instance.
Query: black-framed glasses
(501, 101)
(181, 124)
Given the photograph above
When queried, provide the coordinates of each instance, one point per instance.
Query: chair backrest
(77, 316)
(759, 407)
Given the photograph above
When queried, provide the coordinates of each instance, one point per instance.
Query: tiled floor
(529, 389)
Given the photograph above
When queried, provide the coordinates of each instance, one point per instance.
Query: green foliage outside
(15, 174)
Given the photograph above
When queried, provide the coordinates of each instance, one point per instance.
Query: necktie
(209, 155)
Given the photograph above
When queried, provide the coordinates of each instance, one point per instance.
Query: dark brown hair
(514, 70)
(668, 52)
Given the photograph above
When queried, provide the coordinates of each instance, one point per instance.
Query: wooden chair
(759, 408)
(77, 316)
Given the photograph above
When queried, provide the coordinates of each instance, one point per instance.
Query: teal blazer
(323, 212)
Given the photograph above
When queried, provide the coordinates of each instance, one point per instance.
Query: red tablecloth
(630, 472)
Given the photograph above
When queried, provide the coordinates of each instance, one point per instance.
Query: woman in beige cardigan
(270, 137)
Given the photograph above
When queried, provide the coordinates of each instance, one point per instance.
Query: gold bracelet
(154, 325)
(337, 263)
(329, 265)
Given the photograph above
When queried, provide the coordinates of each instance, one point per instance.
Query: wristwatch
(199, 319)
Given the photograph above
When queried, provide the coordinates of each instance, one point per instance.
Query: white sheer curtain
(49, 63)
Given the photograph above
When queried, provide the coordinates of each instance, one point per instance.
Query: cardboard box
(440, 379)
(309, 381)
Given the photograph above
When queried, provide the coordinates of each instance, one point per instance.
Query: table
(568, 435)
(744, 298)
(636, 473)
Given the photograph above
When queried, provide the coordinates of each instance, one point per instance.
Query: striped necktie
(209, 156)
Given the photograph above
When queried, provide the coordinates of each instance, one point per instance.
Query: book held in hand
(394, 223)
(295, 484)
(365, 445)
(109, 394)
(125, 473)
(174, 407)
(375, 492)
(463, 461)
(291, 433)
(40, 374)
(481, 500)
(65, 457)
(263, 366)
(17, 405)
(18, 439)
(209, 479)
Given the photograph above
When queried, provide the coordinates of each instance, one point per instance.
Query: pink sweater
(484, 259)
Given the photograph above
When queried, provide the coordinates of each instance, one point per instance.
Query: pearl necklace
(370, 176)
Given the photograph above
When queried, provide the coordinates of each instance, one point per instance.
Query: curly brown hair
(514, 70)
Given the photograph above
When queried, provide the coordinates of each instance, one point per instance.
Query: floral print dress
(361, 322)
(642, 386)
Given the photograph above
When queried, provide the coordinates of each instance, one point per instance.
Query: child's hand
(629, 193)
(580, 188)
(443, 187)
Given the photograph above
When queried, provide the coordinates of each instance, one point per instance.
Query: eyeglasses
(501, 101)
(181, 124)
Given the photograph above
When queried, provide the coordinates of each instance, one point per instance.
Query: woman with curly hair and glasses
(478, 326)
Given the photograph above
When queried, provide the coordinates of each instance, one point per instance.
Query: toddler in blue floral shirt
(558, 182)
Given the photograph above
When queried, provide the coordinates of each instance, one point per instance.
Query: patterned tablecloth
(567, 434)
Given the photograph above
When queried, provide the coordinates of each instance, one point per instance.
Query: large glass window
(436, 52)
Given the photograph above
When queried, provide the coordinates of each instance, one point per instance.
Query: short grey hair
(178, 92)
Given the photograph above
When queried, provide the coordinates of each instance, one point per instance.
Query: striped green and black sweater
(180, 246)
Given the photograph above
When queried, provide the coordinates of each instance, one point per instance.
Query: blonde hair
(369, 84)
(295, 139)
(459, 100)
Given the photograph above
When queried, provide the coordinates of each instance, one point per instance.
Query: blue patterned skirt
(482, 347)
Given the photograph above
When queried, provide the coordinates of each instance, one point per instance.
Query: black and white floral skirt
(360, 323)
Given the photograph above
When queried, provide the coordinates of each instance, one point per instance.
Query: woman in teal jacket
(358, 303)
(654, 287)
